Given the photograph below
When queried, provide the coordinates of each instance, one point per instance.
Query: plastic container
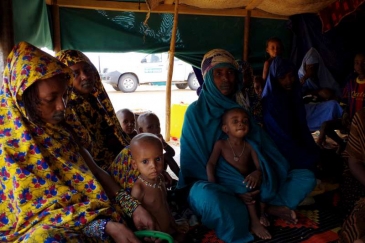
(154, 234)
(177, 119)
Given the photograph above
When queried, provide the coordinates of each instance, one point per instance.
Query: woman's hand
(120, 233)
(143, 219)
(249, 197)
(253, 180)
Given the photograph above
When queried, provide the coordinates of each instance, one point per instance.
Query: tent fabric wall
(116, 31)
(31, 24)
(337, 46)
(113, 31)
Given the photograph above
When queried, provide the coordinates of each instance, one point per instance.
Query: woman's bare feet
(264, 220)
(260, 230)
(282, 212)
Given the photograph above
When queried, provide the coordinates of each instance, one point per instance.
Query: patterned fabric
(353, 190)
(123, 172)
(335, 12)
(47, 192)
(93, 118)
(96, 229)
(354, 95)
(354, 226)
(217, 56)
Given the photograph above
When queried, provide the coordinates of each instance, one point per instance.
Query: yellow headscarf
(79, 116)
(45, 182)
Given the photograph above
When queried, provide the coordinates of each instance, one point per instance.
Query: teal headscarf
(202, 128)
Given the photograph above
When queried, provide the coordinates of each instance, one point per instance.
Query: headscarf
(285, 119)
(202, 128)
(44, 179)
(325, 78)
(88, 116)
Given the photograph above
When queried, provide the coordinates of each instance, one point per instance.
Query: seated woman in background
(90, 112)
(353, 98)
(284, 116)
(353, 187)
(319, 90)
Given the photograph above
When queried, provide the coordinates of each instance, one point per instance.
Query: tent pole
(246, 35)
(170, 72)
(56, 27)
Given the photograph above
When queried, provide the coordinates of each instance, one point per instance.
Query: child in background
(149, 122)
(239, 154)
(274, 47)
(149, 189)
(128, 122)
(258, 85)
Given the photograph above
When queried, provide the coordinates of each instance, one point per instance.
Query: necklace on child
(158, 184)
(235, 157)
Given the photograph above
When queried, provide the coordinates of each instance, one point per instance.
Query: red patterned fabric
(333, 14)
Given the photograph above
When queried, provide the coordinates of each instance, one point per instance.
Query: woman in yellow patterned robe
(47, 192)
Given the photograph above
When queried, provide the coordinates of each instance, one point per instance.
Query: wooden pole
(6, 33)
(56, 27)
(246, 35)
(170, 72)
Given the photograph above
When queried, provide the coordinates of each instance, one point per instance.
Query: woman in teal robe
(217, 204)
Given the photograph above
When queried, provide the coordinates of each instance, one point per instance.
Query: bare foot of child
(264, 220)
(283, 212)
(362, 240)
(260, 231)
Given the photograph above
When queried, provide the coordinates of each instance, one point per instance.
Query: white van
(152, 68)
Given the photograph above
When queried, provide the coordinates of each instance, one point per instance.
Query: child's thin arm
(137, 192)
(255, 159)
(212, 162)
(265, 70)
(168, 149)
(172, 164)
(108, 183)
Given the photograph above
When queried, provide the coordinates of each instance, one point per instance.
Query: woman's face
(225, 80)
(286, 81)
(84, 77)
(51, 94)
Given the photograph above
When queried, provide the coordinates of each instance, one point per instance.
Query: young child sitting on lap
(239, 154)
(149, 189)
(128, 122)
(149, 122)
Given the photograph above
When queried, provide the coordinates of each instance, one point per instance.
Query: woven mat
(317, 223)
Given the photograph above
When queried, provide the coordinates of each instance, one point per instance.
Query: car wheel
(193, 82)
(128, 83)
(182, 86)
